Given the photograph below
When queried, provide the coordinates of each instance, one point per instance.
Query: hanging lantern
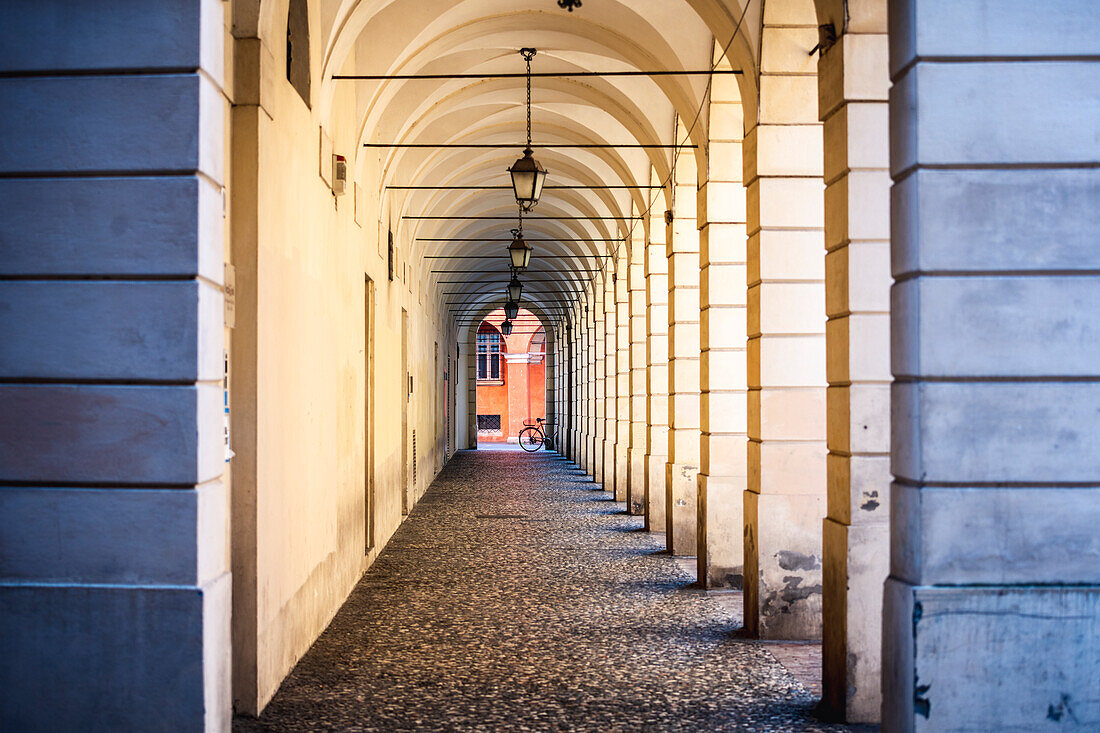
(528, 175)
(511, 309)
(515, 289)
(506, 328)
(519, 251)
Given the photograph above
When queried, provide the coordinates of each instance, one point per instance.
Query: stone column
(852, 87)
(638, 395)
(611, 375)
(551, 380)
(577, 376)
(656, 276)
(471, 387)
(564, 395)
(785, 501)
(580, 395)
(591, 310)
(682, 249)
(114, 567)
(992, 607)
(622, 372)
(723, 475)
(599, 375)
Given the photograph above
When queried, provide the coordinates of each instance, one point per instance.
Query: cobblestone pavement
(519, 597)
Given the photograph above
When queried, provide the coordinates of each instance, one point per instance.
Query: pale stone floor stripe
(518, 596)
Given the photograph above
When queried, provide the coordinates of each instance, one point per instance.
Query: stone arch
(477, 315)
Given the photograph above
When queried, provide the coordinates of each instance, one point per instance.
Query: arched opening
(511, 377)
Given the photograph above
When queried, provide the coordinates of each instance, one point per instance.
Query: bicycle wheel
(530, 439)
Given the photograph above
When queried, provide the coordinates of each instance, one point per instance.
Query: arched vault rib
(389, 43)
(489, 169)
(499, 100)
(416, 164)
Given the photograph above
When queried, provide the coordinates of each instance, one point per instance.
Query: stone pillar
(590, 371)
(785, 500)
(611, 375)
(682, 469)
(471, 387)
(551, 380)
(576, 391)
(723, 475)
(622, 372)
(569, 393)
(114, 565)
(656, 277)
(599, 375)
(635, 502)
(992, 607)
(852, 87)
(582, 387)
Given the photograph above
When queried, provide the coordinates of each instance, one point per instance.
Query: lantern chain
(528, 54)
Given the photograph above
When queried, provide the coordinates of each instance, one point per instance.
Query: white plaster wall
(313, 254)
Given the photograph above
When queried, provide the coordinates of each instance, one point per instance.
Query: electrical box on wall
(339, 174)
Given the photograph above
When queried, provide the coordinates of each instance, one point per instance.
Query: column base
(681, 520)
(591, 463)
(655, 492)
(622, 473)
(721, 545)
(1005, 658)
(635, 495)
(608, 478)
(783, 581)
(855, 567)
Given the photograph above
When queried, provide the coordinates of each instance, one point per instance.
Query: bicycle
(531, 438)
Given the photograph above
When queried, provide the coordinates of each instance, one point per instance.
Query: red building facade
(511, 376)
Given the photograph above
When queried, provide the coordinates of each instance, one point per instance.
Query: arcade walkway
(518, 597)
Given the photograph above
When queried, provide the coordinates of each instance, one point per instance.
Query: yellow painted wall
(312, 258)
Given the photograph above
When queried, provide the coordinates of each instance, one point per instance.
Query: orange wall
(523, 394)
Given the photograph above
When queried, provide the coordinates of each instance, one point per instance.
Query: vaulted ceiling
(604, 188)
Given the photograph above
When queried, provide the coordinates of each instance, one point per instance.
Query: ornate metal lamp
(506, 328)
(528, 175)
(519, 252)
(515, 289)
(511, 309)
